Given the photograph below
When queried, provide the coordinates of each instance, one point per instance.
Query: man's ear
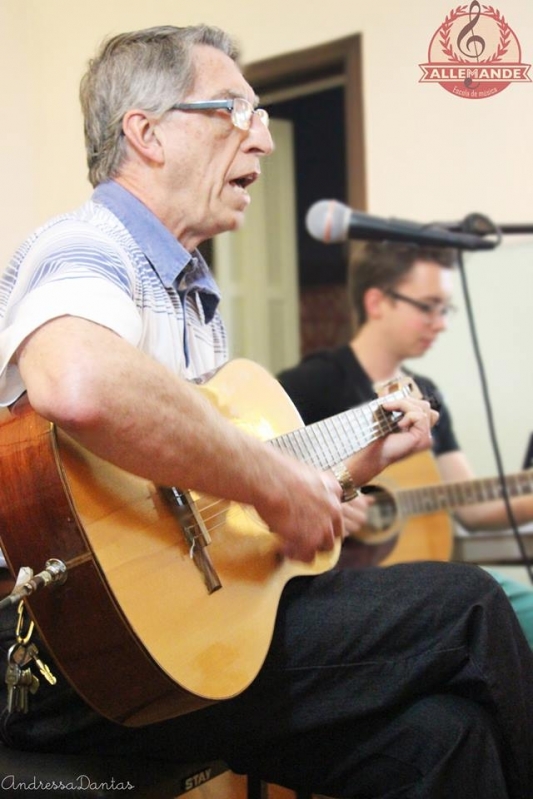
(142, 134)
(374, 299)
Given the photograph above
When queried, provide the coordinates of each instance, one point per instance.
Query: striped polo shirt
(113, 262)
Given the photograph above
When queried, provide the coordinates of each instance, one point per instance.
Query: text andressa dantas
(81, 782)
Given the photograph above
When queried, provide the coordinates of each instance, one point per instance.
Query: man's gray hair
(151, 69)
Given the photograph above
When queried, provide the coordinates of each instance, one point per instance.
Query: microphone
(330, 221)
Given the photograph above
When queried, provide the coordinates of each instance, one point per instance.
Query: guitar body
(409, 518)
(409, 538)
(134, 627)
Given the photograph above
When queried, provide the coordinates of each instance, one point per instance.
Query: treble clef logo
(475, 41)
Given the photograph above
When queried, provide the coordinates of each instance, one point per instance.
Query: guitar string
(384, 424)
(217, 519)
(438, 496)
(342, 425)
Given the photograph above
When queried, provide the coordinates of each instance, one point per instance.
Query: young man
(418, 688)
(401, 299)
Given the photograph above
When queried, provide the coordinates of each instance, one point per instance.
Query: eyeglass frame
(429, 308)
(228, 105)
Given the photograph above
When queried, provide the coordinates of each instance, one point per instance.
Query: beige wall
(430, 155)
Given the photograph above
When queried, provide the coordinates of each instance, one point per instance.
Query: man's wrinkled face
(210, 162)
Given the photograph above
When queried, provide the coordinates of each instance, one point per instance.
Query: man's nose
(259, 137)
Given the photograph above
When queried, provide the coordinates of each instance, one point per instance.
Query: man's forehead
(422, 265)
(218, 76)
(429, 271)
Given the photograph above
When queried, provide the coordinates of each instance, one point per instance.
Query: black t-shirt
(329, 382)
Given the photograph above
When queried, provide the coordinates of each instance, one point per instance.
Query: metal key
(28, 683)
(18, 654)
(32, 654)
(13, 673)
(17, 690)
(19, 680)
(15, 655)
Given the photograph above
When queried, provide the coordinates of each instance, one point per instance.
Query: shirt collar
(173, 263)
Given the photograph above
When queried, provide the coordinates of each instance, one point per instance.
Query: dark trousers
(412, 681)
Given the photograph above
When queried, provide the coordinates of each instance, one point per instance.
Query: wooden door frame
(341, 57)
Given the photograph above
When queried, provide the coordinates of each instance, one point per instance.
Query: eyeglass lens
(430, 308)
(243, 112)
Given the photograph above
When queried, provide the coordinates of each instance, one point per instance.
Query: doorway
(319, 91)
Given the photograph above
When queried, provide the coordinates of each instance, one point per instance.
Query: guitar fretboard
(445, 496)
(328, 442)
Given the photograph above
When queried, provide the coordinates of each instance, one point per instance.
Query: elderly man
(418, 688)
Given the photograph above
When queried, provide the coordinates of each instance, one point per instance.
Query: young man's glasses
(431, 309)
(241, 110)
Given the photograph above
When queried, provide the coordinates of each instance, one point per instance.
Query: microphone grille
(328, 221)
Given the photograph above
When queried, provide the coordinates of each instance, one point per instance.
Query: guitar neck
(447, 496)
(328, 442)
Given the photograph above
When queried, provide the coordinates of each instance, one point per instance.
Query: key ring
(23, 639)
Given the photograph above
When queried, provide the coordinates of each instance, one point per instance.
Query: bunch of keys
(20, 679)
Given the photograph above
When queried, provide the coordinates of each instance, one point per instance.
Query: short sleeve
(50, 279)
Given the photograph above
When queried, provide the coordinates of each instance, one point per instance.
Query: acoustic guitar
(410, 517)
(171, 596)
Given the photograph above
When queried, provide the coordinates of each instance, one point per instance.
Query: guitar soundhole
(372, 543)
(383, 512)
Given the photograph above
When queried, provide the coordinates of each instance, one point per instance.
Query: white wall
(430, 155)
(500, 285)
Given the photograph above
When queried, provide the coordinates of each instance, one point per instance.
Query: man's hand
(413, 435)
(306, 513)
(355, 514)
(414, 428)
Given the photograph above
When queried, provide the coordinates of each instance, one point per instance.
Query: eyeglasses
(240, 109)
(431, 309)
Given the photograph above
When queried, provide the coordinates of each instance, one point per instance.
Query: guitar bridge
(195, 533)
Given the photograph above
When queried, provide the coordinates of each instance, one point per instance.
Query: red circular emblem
(474, 53)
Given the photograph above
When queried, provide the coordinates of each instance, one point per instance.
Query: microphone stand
(479, 222)
(480, 225)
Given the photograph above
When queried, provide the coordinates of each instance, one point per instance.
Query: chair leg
(256, 788)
